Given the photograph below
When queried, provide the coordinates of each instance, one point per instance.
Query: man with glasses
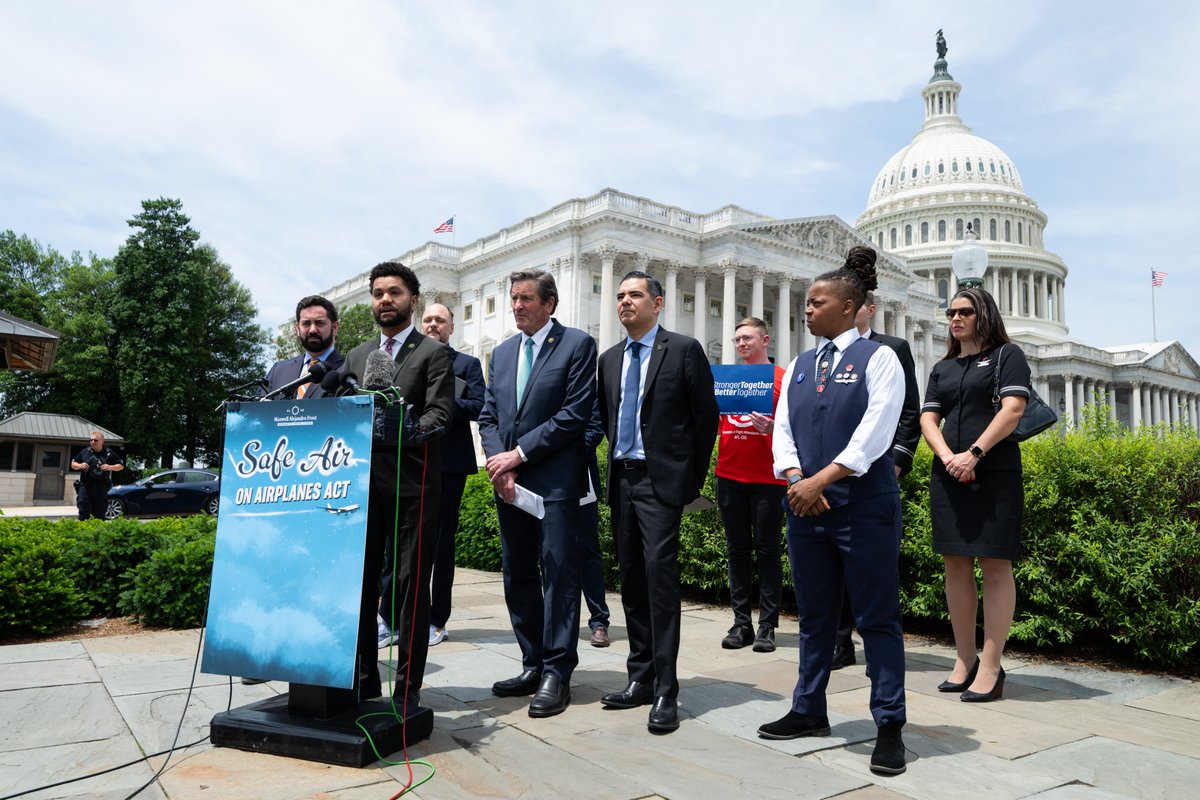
(97, 463)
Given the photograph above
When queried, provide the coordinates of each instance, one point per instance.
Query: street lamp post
(969, 261)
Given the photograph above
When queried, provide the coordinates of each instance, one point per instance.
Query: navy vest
(822, 423)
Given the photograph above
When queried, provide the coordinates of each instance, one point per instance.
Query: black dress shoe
(843, 653)
(634, 695)
(553, 696)
(525, 683)
(888, 757)
(794, 725)
(664, 715)
(996, 692)
(739, 636)
(948, 686)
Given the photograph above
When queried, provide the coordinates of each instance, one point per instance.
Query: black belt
(630, 464)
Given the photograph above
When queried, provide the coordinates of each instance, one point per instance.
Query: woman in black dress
(975, 491)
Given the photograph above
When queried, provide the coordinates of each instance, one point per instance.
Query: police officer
(97, 463)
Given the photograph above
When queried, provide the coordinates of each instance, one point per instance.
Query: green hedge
(55, 572)
(1111, 540)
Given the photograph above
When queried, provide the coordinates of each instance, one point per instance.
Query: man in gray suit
(541, 387)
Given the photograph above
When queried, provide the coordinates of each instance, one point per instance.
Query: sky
(311, 140)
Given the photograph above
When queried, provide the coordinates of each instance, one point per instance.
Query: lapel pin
(800, 377)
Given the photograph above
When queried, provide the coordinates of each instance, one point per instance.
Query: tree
(28, 273)
(178, 315)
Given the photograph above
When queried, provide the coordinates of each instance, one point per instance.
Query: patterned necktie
(627, 431)
(825, 364)
(524, 367)
(389, 346)
(303, 388)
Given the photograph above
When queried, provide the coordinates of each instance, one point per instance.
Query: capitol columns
(671, 290)
(1069, 397)
(783, 322)
(1135, 405)
(901, 322)
(701, 315)
(756, 292)
(607, 253)
(729, 267)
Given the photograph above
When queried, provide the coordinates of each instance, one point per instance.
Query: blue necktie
(627, 433)
(523, 369)
(825, 365)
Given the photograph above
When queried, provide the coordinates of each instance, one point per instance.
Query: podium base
(267, 727)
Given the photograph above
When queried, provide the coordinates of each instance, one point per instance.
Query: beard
(314, 343)
(394, 317)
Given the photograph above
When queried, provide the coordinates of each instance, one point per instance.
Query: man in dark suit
(540, 391)
(659, 412)
(402, 510)
(458, 461)
(316, 327)
(908, 434)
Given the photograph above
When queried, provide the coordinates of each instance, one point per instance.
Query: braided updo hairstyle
(856, 277)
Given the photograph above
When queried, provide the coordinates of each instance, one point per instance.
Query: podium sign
(744, 388)
(291, 532)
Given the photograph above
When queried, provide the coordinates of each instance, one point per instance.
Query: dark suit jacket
(458, 447)
(679, 415)
(284, 372)
(423, 374)
(908, 431)
(549, 427)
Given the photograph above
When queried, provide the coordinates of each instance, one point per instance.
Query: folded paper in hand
(529, 502)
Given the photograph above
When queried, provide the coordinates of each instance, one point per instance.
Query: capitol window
(689, 303)
(927, 170)
(958, 228)
(714, 308)
(924, 232)
(907, 235)
(893, 238)
(941, 230)
(902, 174)
(941, 168)
(968, 165)
(597, 283)
(1007, 231)
(914, 175)
(468, 312)
(977, 227)
(1020, 234)
(981, 167)
(954, 166)
(489, 306)
(993, 165)
(992, 229)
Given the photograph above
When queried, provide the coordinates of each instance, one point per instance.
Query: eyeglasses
(965, 313)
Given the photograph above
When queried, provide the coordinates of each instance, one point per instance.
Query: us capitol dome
(947, 180)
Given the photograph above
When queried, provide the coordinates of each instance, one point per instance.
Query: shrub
(37, 595)
(102, 555)
(477, 545)
(170, 588)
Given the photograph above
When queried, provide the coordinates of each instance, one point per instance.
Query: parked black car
(175, 491)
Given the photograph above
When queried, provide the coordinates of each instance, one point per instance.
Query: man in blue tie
(540, 391)
(658, 409)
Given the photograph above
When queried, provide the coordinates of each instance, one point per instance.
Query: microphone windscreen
(378, 371)
(318, 371)
(331, 383)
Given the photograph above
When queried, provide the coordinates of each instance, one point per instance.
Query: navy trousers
(856, 546)
(540, 560)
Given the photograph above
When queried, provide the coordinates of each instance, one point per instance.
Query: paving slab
(1182, 701)
(48, 651)
(48, 716)
(21, 770)
(154, 717)
(59, 672)
(1122, 768)
(1093, 684)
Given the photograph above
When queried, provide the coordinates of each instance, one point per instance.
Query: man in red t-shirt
(750, 498)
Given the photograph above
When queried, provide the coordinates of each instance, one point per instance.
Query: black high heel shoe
(948, 686)
(986, 697)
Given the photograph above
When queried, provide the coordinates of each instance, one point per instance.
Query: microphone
(378, 371)
(350, 383)
(315, 373)
(331, 383)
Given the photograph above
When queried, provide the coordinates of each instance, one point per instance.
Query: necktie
(303, 389)
(629, 401)
(825, 364)
(389, 346)
(524, 367)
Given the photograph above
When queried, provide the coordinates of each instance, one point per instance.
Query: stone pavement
(1060, 733)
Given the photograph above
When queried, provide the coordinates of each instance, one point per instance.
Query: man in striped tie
(316, 328)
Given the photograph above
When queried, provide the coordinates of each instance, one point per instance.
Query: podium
(291, 542)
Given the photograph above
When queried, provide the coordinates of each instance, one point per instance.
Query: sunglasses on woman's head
(965, 313)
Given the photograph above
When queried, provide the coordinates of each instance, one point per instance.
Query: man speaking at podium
(403, 507)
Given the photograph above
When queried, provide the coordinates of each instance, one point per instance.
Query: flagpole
(1153, 313)
(454, 230)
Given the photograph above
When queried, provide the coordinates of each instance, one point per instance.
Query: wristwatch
(976, 451)
(795, 478)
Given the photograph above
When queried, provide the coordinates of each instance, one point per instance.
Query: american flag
(445, 227)
(1156, 277)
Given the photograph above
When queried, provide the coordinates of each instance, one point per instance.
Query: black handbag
(1037, 417)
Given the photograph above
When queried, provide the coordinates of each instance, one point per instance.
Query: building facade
(721, 266)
